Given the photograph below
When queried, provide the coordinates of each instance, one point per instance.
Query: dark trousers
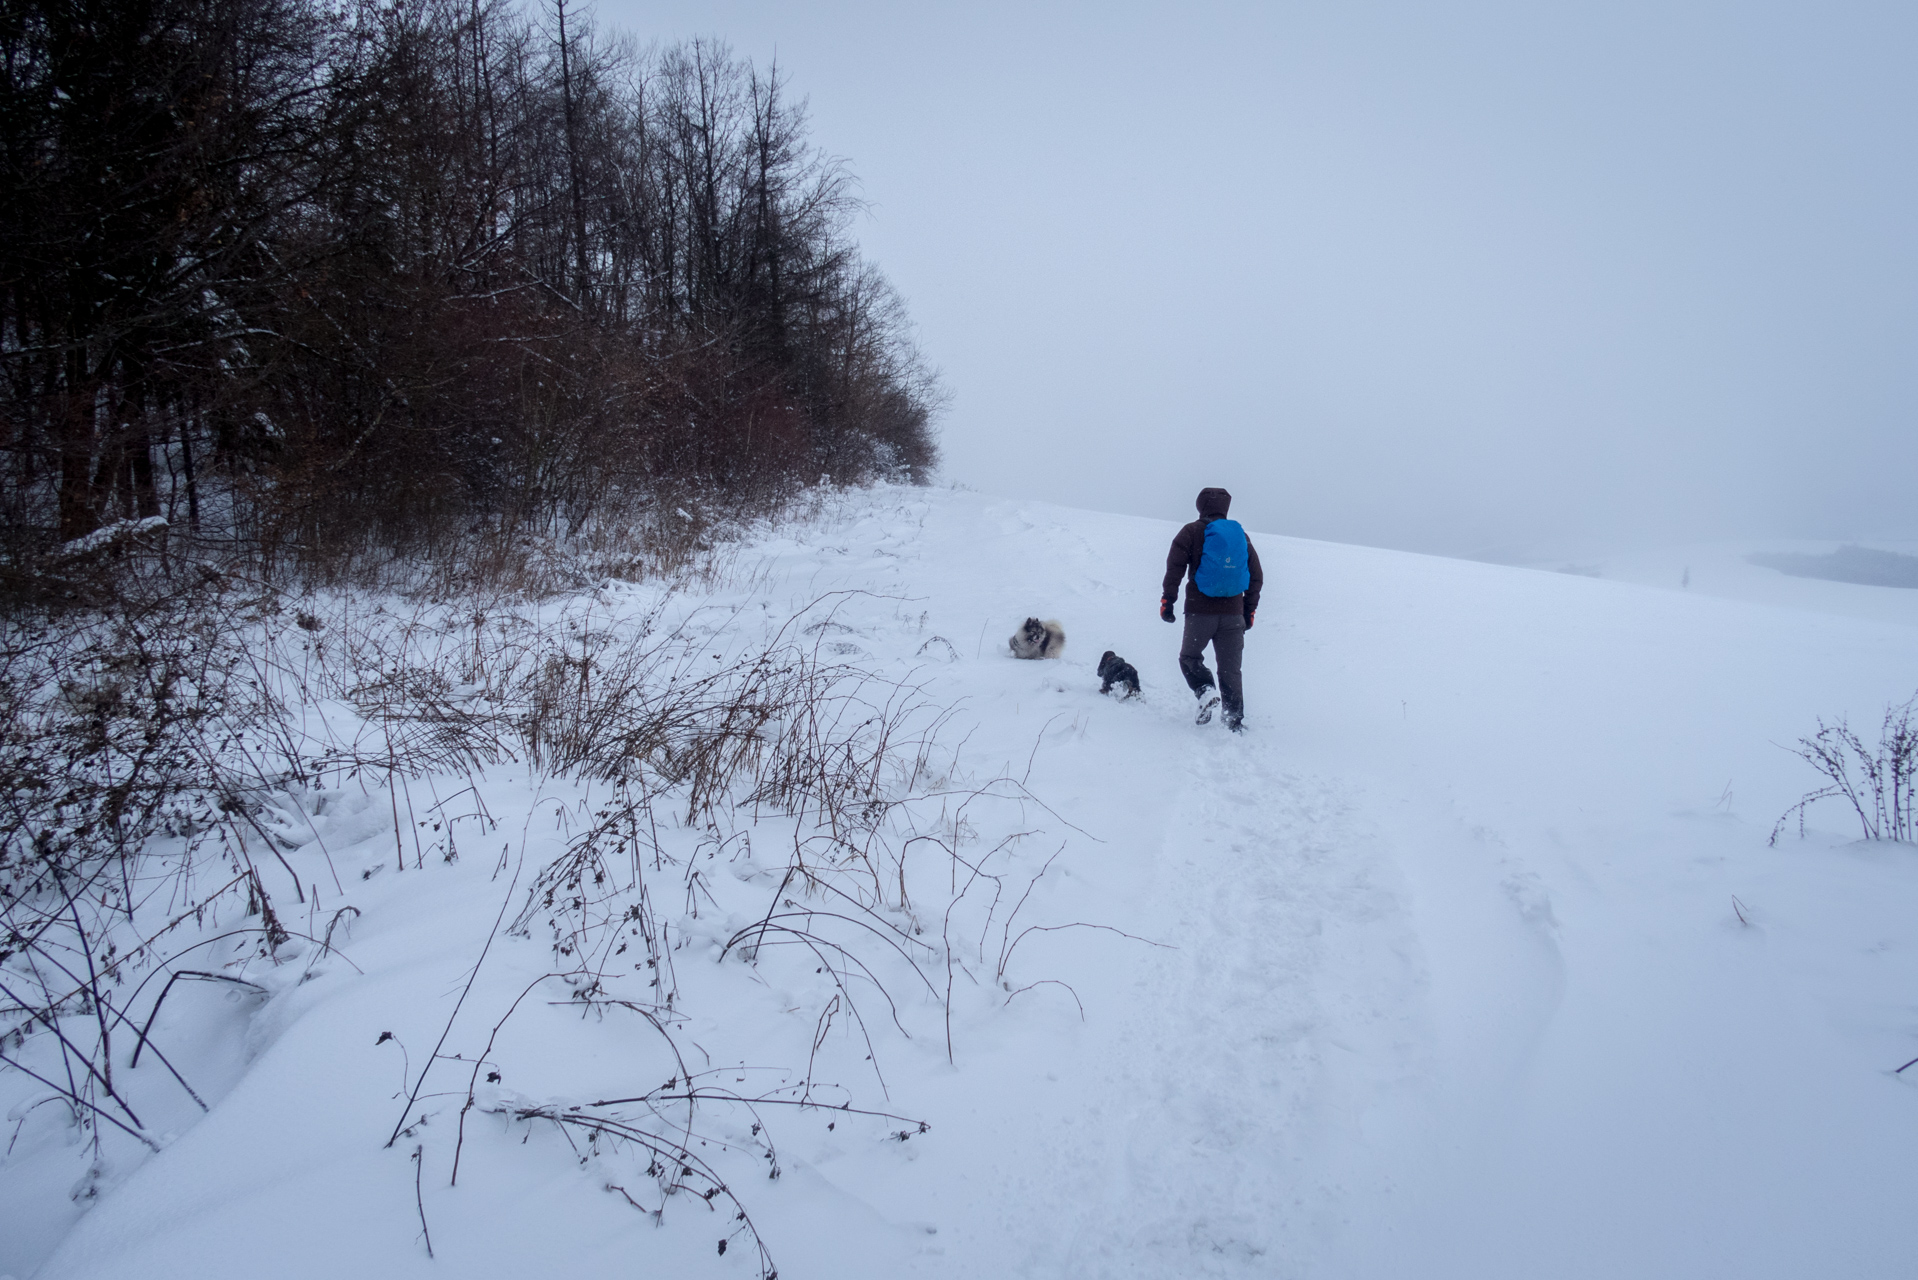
(1225, 632)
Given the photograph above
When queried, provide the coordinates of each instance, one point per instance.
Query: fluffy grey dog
(1036, 639)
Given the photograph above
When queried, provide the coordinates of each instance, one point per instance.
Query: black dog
(1116, 670)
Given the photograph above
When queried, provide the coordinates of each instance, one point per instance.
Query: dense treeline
(390, 273)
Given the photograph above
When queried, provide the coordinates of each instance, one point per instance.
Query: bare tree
(323, 279)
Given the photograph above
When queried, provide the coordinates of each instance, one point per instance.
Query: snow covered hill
(1469, 959)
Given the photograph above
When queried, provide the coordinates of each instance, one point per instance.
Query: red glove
(1165, 608)
(1249, 615)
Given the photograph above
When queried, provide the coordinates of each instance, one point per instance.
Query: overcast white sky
(1456, 277)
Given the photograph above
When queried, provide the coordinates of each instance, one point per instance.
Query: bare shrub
(153, 753)
(777, 738)
(1881, 790)
(160, 753)
(138, 744)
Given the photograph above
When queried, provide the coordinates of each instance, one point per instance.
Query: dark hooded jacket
(1183, 562)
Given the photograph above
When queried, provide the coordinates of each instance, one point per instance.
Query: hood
(1213, 502)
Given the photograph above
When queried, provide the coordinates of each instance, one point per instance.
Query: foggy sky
(1454, 277)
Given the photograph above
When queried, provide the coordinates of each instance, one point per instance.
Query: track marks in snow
(1243, 1044)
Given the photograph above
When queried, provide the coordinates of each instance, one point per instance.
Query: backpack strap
(1197, 554)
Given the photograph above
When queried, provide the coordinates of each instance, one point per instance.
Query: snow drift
(1469, 959)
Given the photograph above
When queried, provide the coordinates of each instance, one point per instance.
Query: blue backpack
(1225, 567)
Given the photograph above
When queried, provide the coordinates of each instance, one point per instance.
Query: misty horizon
(1457, 282)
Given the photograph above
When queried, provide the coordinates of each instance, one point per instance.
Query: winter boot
(1235, 720)
(1208, 701)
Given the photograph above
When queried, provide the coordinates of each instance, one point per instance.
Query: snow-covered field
(1469, 958)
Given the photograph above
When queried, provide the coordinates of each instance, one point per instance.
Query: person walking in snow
(1221, 597)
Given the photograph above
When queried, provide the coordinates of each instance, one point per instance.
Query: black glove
(1249, 615)
(1165, 609)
